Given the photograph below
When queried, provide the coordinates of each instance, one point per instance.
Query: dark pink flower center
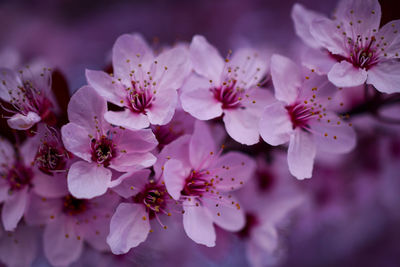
(19, 176)
(103, 150)
(50, 158)
(196, 184)
(362, 54)
(154, 197)
(140, 99)
(228, 95)
(265, 179)
(74, 206)
(300, 115)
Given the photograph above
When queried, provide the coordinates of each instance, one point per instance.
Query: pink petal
(177, 149)
(328, 36)
(198, 224)
(87, 180)
(391, 38)
(61, 244)
(132, 183)
(86, 108)
(129, 51)
(242, 126)
(50, 186)
(135, 141)
(7, 154)
(301, 154)
(132, 161)
(23, 122)
(233, 169)
(178, 68)
(127, 119)
(265, 237)
(14, 208)
(344, 74)
(365, 16)
(201, 104)
(76, 140)
(194, 82)
(9, 80)
(286, 76)
(175, 174)
(128, 228)
(95, 234)
(334, 138)
(41, 209)
(253, 64)
(4, 189)
(275, 125)
(302, 18)
(19, 249)
(385, 77)
(206, 60)
(163, 107)
(318, 60)
(202, 148)
(106, 86)
(226, 215)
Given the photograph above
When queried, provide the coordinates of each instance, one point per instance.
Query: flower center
(50, 158)
(103, 150)
(228, 95)
(154, 197)
(140, 99)
(19, 176)
(74, 206)
(363, 54)
(196, 184)
(265, 179)
(300, 115)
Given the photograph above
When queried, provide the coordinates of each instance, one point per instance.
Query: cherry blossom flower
(100, 145)
(49, 159)
(15, 186)
(69, 222)
(130, 223)
(227, 87)
(143, 85)
(351, 48)
(302, 117)
(28, 94)
(198, 176)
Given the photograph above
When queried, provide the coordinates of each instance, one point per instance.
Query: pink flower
(101, 145)
(142, 84)
(49, 159)
(226, 87)
(201, 179)
(15, 186)
(69, 222)
(351, 48)
(29, 96)
(301, 117)
(130, 223)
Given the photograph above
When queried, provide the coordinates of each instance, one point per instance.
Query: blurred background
(352, 217)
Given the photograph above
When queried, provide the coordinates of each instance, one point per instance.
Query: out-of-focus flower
(29, 94)
(301, 116)
(197, 175)
(19, 248)
(69, 222)
(101, 145)
(227, 87)
(142, 84)
(351, 48)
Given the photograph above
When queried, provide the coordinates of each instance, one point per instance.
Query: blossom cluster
(183, 138)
